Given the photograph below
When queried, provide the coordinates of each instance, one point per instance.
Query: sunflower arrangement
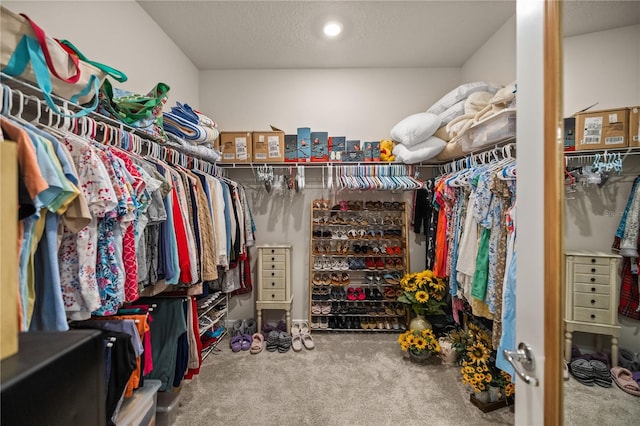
(477, 358)
(419, 343)
(424, 292)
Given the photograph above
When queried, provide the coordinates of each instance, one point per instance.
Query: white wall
(361, 104)
(602, 67)
(122, 35)
(495, 61)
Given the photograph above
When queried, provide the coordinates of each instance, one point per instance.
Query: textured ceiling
(378, 34)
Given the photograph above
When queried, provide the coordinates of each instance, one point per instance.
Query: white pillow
(459, 93)
(415, 128)
(455, 111)
(418, 153)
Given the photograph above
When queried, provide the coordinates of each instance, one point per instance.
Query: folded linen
(188, 130)
(417, 153)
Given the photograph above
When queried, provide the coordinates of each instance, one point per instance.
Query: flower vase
(421, 357)
(482, 396)
(419, 323)
(447, 354)
(495, 393)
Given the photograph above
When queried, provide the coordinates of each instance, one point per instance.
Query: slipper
(295, 329)
(272, 341)
(236, 343)
(582, 371)
(250, 327)
(238, 328)
(246, 342)
(624, 380)
(296, 342)
(602, 375)
(628, 360)
(307, 341)
(257, 343)
(284, 342)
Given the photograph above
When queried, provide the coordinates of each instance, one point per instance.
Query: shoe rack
(212, 313)
(357, 255)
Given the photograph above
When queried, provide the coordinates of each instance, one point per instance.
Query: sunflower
(469, 370)
(485, 368)
(481, 386)
(509, 389)
(489, 377)
(478, 353)
(409, 339)
(479, 369)
(420, 343)
(422, 296)
(438, 285)
(479, 377)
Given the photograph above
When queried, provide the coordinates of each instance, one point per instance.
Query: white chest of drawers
(274, 280)
(591, 297)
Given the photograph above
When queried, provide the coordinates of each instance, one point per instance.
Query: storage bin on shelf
(492, 130)
(166, 410)
(140, 409)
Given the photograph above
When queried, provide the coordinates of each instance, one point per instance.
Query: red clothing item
(181, 240)
(440, 263)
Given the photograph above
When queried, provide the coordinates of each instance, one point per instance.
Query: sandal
(296, 342)
(307, 341)
(236, 343)
(246, 342)
(257, 343)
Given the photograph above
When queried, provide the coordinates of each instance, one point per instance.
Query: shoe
(257, 343)
(359, 294)
(295, 329)
(296, 342)
(307, 341)
(236, 343)
(351, 294)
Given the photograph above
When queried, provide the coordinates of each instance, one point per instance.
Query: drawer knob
(273, 258)
(273, 296)
(593, 279)
(593, 316)
(273, 273)
(273, 251)
(593, 301)
(593, 289)
(593, 261)
(593, 270)
(273, 266)
(273, 284)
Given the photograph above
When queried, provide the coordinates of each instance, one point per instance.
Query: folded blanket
(188, 130)
(203, 151)
(419, 152)
(192, 115)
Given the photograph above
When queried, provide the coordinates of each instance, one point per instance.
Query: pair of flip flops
(592, 371)
(240, 342)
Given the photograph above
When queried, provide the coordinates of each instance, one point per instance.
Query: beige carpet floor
(359, 379)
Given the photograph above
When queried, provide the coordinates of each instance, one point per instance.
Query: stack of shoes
(284, 342)
(601, 373)
(272, 341)
(582, 371)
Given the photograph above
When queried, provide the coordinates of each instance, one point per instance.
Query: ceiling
(377, 34)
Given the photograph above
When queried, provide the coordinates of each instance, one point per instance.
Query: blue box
(319, 146)
(304, 144)
(353, 146)
(291, 148)
(353, 157)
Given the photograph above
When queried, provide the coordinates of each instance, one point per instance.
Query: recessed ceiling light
(332, 29)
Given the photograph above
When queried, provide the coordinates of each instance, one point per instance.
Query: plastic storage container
(492, 130)
(140, 409)
(167, 408)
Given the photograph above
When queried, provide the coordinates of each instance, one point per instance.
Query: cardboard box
(353, 146)
(372, 151)
(570, 134)
(236, 147)
(353, 157)
(634, 126)
(604, 129)
(304, 144)
(337, 145)
(319, 146)
(291, 148)
(268, 147)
